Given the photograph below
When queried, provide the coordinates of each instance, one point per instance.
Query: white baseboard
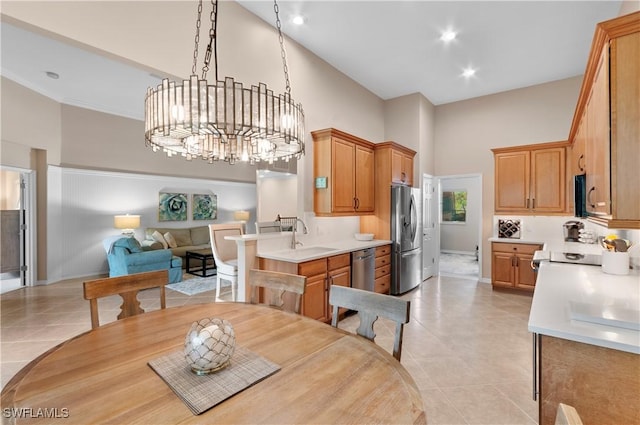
(450, 251)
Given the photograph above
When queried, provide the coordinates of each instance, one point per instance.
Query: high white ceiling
(390, 47)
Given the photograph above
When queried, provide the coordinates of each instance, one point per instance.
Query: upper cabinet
(531, 179)
(343, 174)
(394, 165)
(401, 164)
(606, 124)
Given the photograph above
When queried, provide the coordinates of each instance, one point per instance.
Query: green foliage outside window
(454, 206)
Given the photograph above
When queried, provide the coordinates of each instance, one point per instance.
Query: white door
(429, 231)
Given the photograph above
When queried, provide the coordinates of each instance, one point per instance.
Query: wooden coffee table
(207, 263)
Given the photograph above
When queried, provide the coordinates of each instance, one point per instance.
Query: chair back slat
(127, 287)
(277, 284)
(567, 415)
(370, 306)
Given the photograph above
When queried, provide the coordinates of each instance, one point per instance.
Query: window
(454, 206)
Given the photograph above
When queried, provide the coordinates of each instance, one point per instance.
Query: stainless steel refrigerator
(406, 236)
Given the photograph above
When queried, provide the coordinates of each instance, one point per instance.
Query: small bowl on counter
(363, 236)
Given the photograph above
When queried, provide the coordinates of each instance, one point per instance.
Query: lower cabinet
(315, 300)
(511, 265)
(382, 282)
(603, 384)
(321, 274)
(339, 272)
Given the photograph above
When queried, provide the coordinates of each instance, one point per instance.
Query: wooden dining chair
(127, 287)
(370, 306)
(277, 284)
(567, 415)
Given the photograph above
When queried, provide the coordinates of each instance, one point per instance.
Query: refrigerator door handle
(414, 218)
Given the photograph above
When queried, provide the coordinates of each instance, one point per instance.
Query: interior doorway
(429, 227)
(16, 257)
(460, 218)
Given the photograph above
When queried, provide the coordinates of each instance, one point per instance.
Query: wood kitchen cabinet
(607, 121)
(346, 164)
(339, 273)
(401, 166)
(511, 265)
(602, 384)
(531, 179)
(321, 274)
(315, 299)
(392, 161)
(382, 272)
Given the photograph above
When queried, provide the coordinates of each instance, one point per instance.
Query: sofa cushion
(182, 236)
(170, 240)
(131, 244)
(157, 236)
(200, 235)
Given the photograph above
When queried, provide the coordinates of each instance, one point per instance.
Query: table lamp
(241, 216)
(127, 223)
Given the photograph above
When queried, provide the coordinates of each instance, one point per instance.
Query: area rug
(197, 285)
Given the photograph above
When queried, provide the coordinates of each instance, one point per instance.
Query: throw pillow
(170, 240)
(157, 236)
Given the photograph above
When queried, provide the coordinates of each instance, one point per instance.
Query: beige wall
(466, 131)
(629, 6)
(32, 121)
(409, 120)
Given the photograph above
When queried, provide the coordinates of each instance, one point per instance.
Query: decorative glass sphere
(209, 345)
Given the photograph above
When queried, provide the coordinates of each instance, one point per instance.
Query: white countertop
(321, 250)
(515, 240)
(583, 304)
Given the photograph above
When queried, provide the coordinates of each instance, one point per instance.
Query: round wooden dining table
(326, 375)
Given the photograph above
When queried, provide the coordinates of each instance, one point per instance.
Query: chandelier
(224, 120)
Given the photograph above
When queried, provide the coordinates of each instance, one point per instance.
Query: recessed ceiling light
(298, 20)
(468, 72)
(53, 75)
(448, 36)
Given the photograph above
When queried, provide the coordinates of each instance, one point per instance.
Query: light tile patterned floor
(467, 347)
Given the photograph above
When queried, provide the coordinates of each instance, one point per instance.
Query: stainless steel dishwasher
(363, 269)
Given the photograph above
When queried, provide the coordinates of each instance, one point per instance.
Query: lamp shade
(241, 215)
(126, 221)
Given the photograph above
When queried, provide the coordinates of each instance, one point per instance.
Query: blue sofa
(125, 256)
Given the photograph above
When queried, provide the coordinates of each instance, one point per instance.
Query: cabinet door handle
(533, 203)
(513, 261)
(355, 203)
(589, 197)
(527, 203)
(580, 158)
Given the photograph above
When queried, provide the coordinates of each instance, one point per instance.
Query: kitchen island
(587, 327)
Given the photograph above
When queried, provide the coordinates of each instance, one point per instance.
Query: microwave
(580, 195)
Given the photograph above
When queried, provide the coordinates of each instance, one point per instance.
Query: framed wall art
(205, 206)
(172, 206)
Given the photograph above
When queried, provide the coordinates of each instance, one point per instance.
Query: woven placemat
(201, 393)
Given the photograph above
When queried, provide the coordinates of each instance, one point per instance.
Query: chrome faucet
(294, 243)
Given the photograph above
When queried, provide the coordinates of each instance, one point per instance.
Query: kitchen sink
(304, 252)
(312, 250)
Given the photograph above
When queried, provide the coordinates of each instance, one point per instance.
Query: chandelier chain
(283, 52)
(213, 44)
(197, 40)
